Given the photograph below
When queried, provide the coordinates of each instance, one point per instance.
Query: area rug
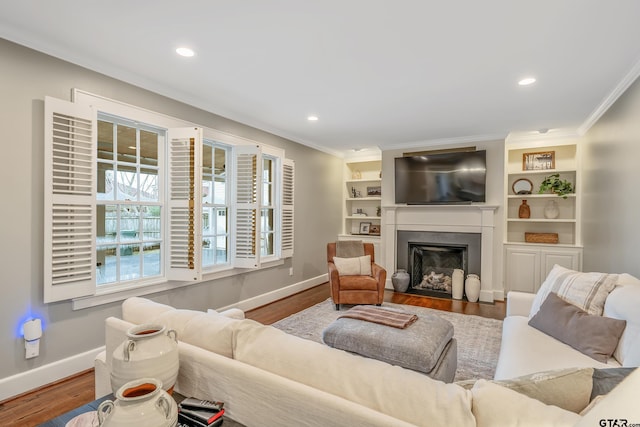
(478, 337)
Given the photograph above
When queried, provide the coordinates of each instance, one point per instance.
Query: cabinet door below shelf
(526, 267)
(570, 259)
(522, 269)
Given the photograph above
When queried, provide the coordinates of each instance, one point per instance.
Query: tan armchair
(356, 289)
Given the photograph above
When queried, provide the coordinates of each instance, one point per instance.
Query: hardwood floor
(33, 408)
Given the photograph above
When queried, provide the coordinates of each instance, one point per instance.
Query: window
(128, 205)
(215, 204)
(137, 202)
(267, 207)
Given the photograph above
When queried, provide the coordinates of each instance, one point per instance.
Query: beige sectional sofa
(269, 378)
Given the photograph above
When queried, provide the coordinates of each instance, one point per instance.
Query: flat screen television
(446, 178)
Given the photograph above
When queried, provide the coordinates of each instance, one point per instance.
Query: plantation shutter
(288, 169)
(247, 166)
(69, 200)
(185, 204)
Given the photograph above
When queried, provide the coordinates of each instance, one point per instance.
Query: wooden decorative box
(541, 237)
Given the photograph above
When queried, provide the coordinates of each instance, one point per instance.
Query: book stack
(194, 412)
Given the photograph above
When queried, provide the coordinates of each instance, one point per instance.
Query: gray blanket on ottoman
(425, 346)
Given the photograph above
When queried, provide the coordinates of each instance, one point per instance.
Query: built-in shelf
(355, 181)
(362, 178)
(363, 199)
(541, 220)
(527, 264)
(538, 196)
(542, 172)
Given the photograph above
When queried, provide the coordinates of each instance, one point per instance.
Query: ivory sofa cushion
(525, 350)
(595, 336)
(139, 310)
(356, 266)
(587, 291)
(401, 393)
(210, 331)
(496, 406)
(623, 303)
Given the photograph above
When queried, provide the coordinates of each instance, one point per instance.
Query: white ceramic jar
(551, 210)
(139, 403)
(149, 352)
(457, 284)
(472, 287)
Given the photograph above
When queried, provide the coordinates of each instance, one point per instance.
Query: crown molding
(536, 136)
(609, 100)
(443, 141)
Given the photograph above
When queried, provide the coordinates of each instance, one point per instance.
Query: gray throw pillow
(604, 380)
(595, 336)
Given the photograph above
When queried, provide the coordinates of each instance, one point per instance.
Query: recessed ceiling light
(312, 118)
(527, 81)
(185, 51)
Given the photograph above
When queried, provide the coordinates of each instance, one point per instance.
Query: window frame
(141, 287)
(120, 202)
(216, 206)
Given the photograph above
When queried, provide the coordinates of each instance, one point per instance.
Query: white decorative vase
(457, 284)
(149, 352)
(139, 403)
(400, 280)
(551, 210)
(472, 287)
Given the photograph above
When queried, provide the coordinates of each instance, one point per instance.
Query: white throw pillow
(495, 406)
(356, 266)
(588, 291)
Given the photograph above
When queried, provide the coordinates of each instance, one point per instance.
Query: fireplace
(477, 219)
(431, 257)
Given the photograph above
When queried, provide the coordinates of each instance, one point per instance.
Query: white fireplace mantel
(473, 218)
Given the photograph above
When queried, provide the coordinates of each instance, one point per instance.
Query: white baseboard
(269, 297)
(34, 378)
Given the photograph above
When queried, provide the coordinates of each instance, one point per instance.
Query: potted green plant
(554, 184)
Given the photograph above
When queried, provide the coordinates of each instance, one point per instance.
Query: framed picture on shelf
(374, 191)
(374, 229)
(365, 227)
(542, 160)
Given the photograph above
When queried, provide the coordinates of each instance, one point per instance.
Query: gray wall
(26, 77)
(611, 179)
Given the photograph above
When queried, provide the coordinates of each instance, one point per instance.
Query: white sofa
(525, 350)
(269, 378)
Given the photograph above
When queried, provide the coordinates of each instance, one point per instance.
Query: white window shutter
(288, 174)
(70, 139)
(247, 167)
(184, 206)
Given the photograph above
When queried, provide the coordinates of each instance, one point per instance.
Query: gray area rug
(478, 337)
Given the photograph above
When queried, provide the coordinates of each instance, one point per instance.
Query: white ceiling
(386, 73)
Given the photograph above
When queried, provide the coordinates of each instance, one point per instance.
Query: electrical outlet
(32, 349)
(291, 271)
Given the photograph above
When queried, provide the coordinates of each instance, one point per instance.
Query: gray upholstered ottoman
(426, 346)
